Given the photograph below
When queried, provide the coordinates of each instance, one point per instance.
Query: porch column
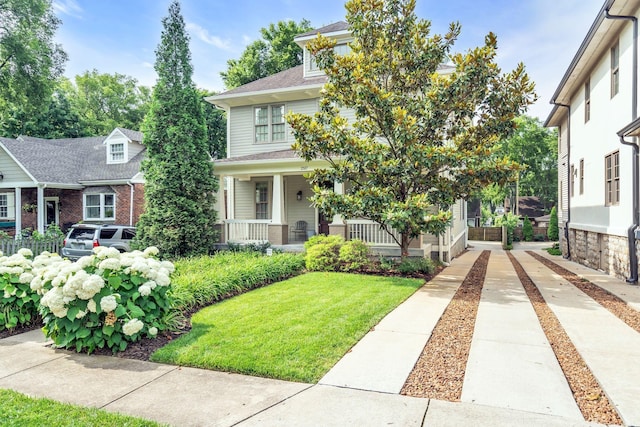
(338, 226)
(18, 207)
(278, 230)
(231, 211)
(220, 210)
(41, 210)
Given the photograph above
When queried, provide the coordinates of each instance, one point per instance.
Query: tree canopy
(30, 61)
(536, 148)
(275, 52)
(424, 134)
(179, 214)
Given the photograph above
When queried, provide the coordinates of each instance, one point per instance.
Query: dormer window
(116, 153)
(339, 49)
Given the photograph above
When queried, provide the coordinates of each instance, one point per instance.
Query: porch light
(298, 194)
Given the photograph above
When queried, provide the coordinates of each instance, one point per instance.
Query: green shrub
(18, 303)
(416, 265)
(249, 247)
(354, 255)
(527, 230)
(552, 231)
(203, 280)
(107, 299)
(387, 264)
(539, 237)
(323, 254)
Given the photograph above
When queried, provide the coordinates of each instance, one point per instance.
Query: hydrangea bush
(18, 304)
(108, 299)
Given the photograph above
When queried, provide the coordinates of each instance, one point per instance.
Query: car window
(82, 233)
(107, 233)
(128, 234)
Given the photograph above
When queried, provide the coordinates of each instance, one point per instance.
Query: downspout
(131, 192)
(633, 254)
(569, 177)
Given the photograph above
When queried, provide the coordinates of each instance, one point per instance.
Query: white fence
(247, 230)
(370, 232)
(11, 246)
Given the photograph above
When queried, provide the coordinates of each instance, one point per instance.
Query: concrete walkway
(508, 355)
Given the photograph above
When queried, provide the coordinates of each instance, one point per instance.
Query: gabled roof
(69, 160)
(133, 135)
(331, 28)
(293, 77)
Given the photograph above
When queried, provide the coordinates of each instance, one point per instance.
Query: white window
(7, 206)
(262, 200)
(615, 69)
(339, 49)
(587, 101)
(99, 206)
(269, 123)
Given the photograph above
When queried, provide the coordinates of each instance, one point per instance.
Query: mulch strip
(611, 302)
(439, 372)
(590, 398)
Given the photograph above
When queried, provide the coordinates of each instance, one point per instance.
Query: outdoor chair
(300, 228)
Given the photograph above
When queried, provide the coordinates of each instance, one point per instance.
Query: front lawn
(19, 410)
(292, 330)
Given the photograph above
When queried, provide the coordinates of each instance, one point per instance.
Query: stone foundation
(599, 251)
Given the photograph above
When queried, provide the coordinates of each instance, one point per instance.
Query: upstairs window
(339, 49)
(572, 190)
(615, 69)
(100, 206)
(612, 179)
(581, 176)
(269, 123)
(587, 101)
(116, 153)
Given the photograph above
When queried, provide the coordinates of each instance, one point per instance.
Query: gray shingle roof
(69, 161)
(133, 135)
(290, 78)
(271, 155)
(331, 28)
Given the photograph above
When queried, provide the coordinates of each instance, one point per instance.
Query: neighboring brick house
(596, 113)
(267, 193)
(63, 181)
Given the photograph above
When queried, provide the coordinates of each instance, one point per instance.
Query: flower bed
(108, 299)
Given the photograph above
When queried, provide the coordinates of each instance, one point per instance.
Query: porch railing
(370, 232)
(11, 246)
(247, 230)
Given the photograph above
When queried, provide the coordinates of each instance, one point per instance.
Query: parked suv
(82, 238)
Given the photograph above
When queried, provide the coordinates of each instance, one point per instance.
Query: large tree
(216, 127)
(179, 214)
(536, 148)
(423, 135)
(30, 61)
(105, 101)
(275, 52)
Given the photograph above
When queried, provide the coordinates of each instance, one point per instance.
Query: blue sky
(122, 35)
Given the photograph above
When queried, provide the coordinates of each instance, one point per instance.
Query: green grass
(21, 411)
(292, 330)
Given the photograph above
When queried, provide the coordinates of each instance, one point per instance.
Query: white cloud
(204, 35)
(67, 7)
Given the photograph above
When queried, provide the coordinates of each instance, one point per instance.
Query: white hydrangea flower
(102, 252)
(133, 326)
(153, 331)
(109, 264)
(144, 290)
(108, 303)
(5, 270)
(168, 265)
(26, 277)
(36, 284)
(91, 306)
(163, 280)
(81, 314)
(151, 284)
(85, 261)
(151, 251)
(26, 252)
(90, 286)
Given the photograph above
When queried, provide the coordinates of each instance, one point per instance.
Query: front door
(51, 211)
(323, 224)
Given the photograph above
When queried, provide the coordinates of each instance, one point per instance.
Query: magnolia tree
(424, 133)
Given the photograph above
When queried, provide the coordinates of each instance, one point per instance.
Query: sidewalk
(362, 389)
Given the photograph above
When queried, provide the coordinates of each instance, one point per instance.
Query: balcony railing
(247, 230)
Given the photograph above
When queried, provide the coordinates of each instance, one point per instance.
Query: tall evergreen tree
(179, 191)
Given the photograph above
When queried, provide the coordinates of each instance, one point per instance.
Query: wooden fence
(494, 234)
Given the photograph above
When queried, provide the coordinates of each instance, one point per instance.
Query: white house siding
(135, 149)
(241, 132)
(13, 174)
(245, 197)
(597, 233)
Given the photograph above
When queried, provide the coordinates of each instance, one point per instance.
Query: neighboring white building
(596, 112)
(267, 193)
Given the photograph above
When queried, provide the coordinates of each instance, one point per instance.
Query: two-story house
(62, 181)
(267, 193)
(596, 111)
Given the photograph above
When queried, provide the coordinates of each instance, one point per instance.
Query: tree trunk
(404, 245)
